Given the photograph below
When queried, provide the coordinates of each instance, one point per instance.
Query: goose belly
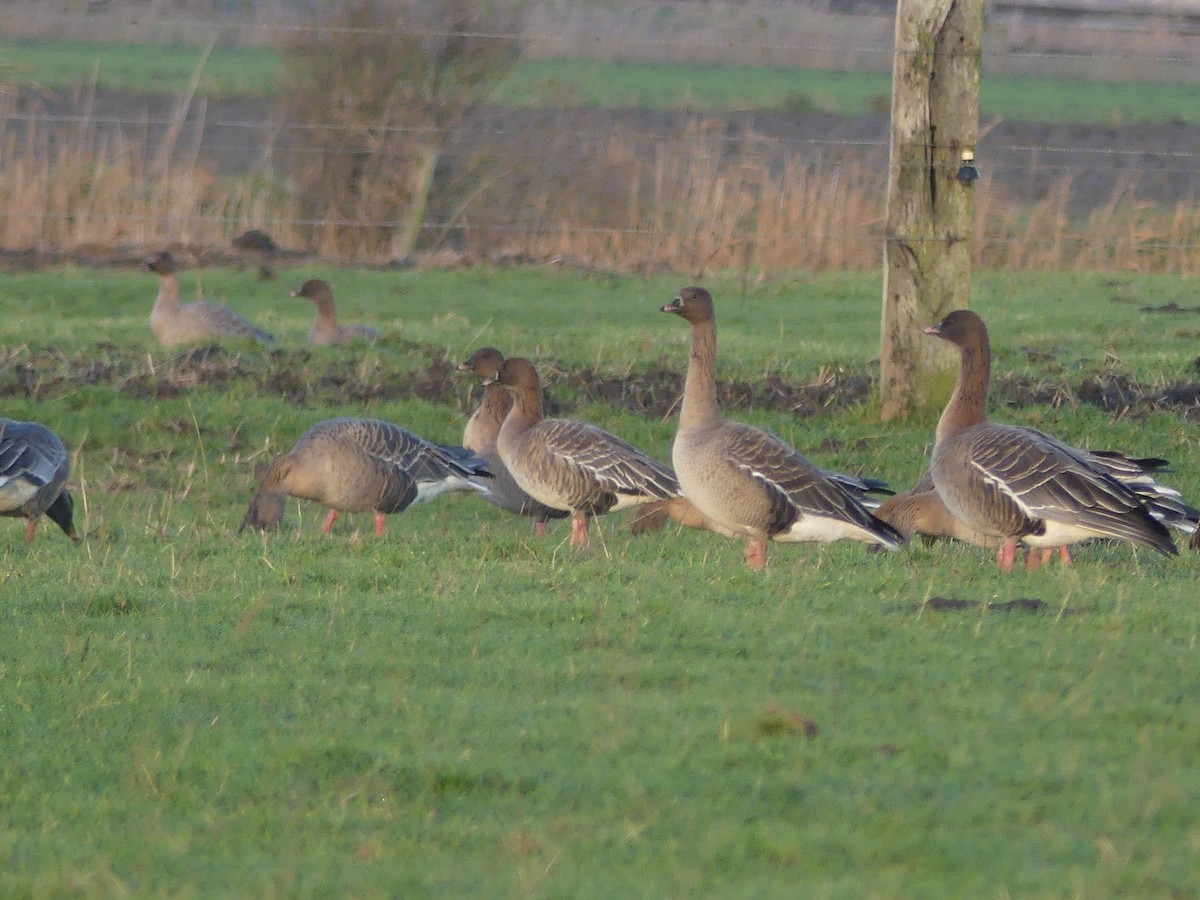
(818, 528)
(724, 495)
(15, 493)
(1060, 534)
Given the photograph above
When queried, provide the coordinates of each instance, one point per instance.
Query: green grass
(602, 84)
(463, 709)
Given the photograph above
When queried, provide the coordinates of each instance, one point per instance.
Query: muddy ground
(304, 378)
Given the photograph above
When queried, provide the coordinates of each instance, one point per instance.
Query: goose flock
(988, 484)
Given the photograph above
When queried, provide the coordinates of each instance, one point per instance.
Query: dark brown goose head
(314, 289)
(160, 263)
(62, 513)
(962, 328)
(484, 362)
(517, 374)
(694, 304)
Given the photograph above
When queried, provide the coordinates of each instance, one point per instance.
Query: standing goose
(746, 480)
(1018, 484)
(480, 435)
(175, 323)
(571, 465)
(326, 331)
(361, 465)
(34, 466)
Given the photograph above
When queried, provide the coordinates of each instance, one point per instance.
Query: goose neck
(700, 386)
(968, 403)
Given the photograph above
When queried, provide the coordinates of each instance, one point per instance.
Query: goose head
(694, 304)
(160, 263)
(962, 327)
(516, 374)
(484, 362)
(314, 289)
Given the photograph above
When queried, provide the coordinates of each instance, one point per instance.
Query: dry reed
(693, 204)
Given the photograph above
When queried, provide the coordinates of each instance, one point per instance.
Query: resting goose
(571, 465)
(1018, 484)
(326, 331)
(34, 466)
(747, 481)
(175, 323)
(479, 436)
(362, 465)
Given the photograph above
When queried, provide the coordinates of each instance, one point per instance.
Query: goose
(571, 465)
(256, 242)
(746, 480)
(479, 436)
(34, 466)
(175, 323)
(1021, 485)
(361, 465)
(326, 331)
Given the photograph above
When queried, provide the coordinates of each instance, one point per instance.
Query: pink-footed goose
(1020, 485)
(922, 512)
(326, 330)
(480, 434)
(175, 323)
(363, 465)
(572, 465)
(34, 466)
(747, 481)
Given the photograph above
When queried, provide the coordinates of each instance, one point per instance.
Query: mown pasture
(460, 708)
(230, 71)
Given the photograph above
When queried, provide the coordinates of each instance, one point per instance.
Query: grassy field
(240, 71)
(463, 709)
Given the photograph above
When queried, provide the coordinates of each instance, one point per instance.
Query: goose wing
(32, 453)
(795, 487)
(1046, 479)
(612, 464)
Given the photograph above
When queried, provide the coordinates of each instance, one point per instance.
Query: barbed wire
(881, 47)
(746, 140)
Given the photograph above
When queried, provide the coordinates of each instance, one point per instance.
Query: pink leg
(1007, 554)
(1064, 553)
(380, 521)
(30, 528)
(756, 553)
(327, 526)
(539, 528)
(579, 531)
(1033, 559)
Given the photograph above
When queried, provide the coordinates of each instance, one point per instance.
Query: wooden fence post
(930, 211)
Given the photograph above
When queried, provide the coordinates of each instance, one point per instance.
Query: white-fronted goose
(34, 466)
(1019, 484)
(362, 465)
(175, 323)
(326, 331)
(572, 465)
(746, 480)
(481, 432)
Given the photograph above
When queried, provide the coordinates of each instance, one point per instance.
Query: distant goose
(747, 481)
(362, 465)
(258, 243)
(175, 323)
(480, 436)
(326, 331)
(34, 466)
(1017, 484)
(570, 465)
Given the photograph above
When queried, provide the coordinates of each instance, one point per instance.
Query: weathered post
(927, 256)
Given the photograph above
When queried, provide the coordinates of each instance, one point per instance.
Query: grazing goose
(34, 466)
(480, 435)
(361, 465)
(747, 481)
(572, 465)
(326, 331)
(175, 323)
(921, 511)
(1018, 484)
(258, 243)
